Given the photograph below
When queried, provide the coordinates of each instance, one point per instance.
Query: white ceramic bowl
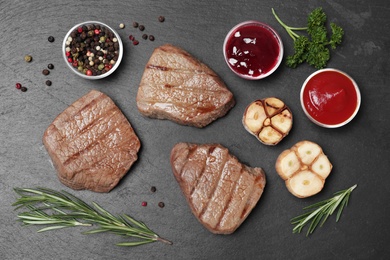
(254, 25)
(83, 75)
(335, 96)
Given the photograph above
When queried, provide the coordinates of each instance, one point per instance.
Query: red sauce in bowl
(253, 50)
(330, 98)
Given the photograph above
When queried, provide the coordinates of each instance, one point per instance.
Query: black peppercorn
(135, 24)
(50, 66)
(151, 37)
(153, 189)
(45, 72)
(161, 204)
(48, 82)
(161, 19)
(144, 36)
(23, 89)
(50, 39)
(141, 27)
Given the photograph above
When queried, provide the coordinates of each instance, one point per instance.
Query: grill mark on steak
(151, 66)
(209, 180)
(233, 188)
(217, 179)
(95, 163)
(222, 194)
(88, 127)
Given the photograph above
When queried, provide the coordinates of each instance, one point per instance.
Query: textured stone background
(359, 151)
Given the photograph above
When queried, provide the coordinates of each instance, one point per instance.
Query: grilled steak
(220, 190)
(178, 87)
(91, 144)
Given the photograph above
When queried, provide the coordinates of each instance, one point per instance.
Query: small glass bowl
(328, 80)
(81, 74)
(254, 24)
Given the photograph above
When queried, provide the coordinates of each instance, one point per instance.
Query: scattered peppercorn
(131, 37)
(135, 24)
(18, 85)
(144, 36)
(121, 25)
(161, 18)
(50, 66)
(135, 42)
(50, 39)
(141, 27)
(28, 58)
(48, 82)
(144, 203)
(153, 189)
(23, 89)
(45, 72)
(161, 204)
(151, 37)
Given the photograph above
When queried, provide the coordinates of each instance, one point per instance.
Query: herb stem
(290, 30)
(59, 210)
(320, 211)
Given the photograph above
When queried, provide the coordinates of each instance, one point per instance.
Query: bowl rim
(358, 96)
(269, 28)
(117, 63)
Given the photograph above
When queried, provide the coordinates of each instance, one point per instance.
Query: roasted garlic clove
(304, 168)
(270, 120)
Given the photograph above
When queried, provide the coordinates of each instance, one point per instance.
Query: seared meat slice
(220, 190)
(178, 87)
(91, 143)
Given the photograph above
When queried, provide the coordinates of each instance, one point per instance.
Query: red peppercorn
(18, 85)
(75, 63)
(144, 203)
(89, 73)
(70, 60)
(67, 53)
(80, 29)
(97, 31)
(131, 37)
(135, 42)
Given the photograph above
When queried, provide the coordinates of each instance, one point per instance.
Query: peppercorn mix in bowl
(92, 50)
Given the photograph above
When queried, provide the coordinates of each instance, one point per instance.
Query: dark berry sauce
(252, 50)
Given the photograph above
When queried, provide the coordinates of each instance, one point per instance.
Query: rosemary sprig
(319, 212)
(57, 210)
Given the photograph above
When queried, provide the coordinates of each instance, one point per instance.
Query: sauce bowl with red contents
(330, 98)
(253, 50)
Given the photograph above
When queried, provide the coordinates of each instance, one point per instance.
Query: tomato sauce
(252, 50)
(330, 97)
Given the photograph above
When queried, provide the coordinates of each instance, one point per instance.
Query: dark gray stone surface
(359, 151)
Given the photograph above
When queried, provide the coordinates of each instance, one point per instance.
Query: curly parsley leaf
(313, 48)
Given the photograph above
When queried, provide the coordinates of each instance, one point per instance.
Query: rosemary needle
(57, 210)
(319, 212)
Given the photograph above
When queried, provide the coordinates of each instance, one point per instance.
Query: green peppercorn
(102, 39)
(28, 58)
(101, 66)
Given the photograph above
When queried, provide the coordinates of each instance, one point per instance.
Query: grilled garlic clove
(305, 184)
(304, 168)
(255, 116)
(270, 120)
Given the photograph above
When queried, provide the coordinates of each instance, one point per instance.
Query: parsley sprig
(55, 210)
(313, 48)
(319, 212)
